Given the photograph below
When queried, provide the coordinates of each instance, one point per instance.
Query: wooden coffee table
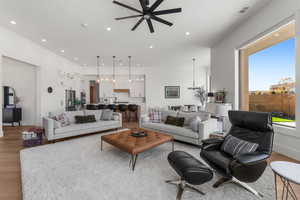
(135, 145)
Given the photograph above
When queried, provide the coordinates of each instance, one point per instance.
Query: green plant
(77, 102)
(201, 94)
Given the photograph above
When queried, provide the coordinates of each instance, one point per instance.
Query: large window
(272, 82)
(267, 75)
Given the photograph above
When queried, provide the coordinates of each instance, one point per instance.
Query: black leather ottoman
(191, 171)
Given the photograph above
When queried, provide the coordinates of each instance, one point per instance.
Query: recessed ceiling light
(108, 29)
(151, 47)
(75, 58)
(62, 51)
(44, 40)
(187, 33)
(13, 22)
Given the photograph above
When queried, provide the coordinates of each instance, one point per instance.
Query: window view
(272, 82)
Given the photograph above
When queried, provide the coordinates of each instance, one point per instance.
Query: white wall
(172, 74)
(15, 46)
(224, 63)
(25, 86)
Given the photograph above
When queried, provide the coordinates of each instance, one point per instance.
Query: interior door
(93, 94)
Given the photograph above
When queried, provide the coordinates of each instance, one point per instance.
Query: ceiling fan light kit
(148, 13)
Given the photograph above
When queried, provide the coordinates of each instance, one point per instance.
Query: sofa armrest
(212, 144)
(251, 158)
(119, 117)
(49, 126)
(207, 127)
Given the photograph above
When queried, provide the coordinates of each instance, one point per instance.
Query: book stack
(29, 135)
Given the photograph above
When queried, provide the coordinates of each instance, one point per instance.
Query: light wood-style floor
(10, 176)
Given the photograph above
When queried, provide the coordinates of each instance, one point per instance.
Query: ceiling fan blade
(164, 12)
(128, 7)
(161, 20)
(143, 4)
(138, 23)
(150, 25)
(155, 5)
(133, 16)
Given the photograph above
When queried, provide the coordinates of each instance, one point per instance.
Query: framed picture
(172, 92)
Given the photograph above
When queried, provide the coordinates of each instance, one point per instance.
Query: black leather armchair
(253, 127)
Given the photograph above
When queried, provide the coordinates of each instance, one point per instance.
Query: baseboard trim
(292, 153)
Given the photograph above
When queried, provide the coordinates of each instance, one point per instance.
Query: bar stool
(91, 107)
(123, 110)
(112, 107)
(133, 109)
(102, 106)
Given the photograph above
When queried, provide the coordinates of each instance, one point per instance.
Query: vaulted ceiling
(60, 22)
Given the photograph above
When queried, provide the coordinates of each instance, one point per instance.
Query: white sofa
(53, 132)
(207, 126)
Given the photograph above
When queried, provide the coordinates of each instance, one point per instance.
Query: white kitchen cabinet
(106, 89)
(137, 89)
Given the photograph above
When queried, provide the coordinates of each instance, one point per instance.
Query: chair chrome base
(182, 186)
(241, 184)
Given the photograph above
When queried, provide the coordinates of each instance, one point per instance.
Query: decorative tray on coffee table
(139, 134)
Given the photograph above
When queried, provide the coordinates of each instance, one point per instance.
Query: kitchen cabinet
(137, 89)
(106, 89)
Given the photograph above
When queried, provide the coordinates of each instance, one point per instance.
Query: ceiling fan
(148, 13)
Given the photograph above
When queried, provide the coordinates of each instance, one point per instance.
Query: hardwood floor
(10, 179)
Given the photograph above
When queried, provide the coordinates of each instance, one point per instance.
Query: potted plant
(202, 95)
(78, 104)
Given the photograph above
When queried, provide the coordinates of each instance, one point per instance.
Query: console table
(12, 115)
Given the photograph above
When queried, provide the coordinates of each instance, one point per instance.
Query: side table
(288, 173)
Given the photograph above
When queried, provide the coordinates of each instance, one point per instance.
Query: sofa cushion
(155, 115)
(235, 146)
(166, 113)
(172, 130)
(190, 116)
(107, 115)
(176, 121)
(71, 115)
(63, 119)
(85, 119)
(194, 125)
(218, 158)
(87, 126)
(97, 113)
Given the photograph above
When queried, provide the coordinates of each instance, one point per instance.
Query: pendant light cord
(98, 68)
(194, 72)
(114, 66)
(129, 57)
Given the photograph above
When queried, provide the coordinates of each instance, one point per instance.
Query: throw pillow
(107, 115)
(85, 119)
(176, 121)
(63, 119)
(57, 124)
(155, 115)
(235, 146)
(194, 125)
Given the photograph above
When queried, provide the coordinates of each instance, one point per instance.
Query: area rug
(77, 170)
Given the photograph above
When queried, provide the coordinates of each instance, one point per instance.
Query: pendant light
(129, 64)
(114, 69)
(98, 69)
(194, 83)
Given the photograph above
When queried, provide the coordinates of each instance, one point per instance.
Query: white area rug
(77, 170)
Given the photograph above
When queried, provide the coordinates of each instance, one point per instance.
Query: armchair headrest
(258, 121)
